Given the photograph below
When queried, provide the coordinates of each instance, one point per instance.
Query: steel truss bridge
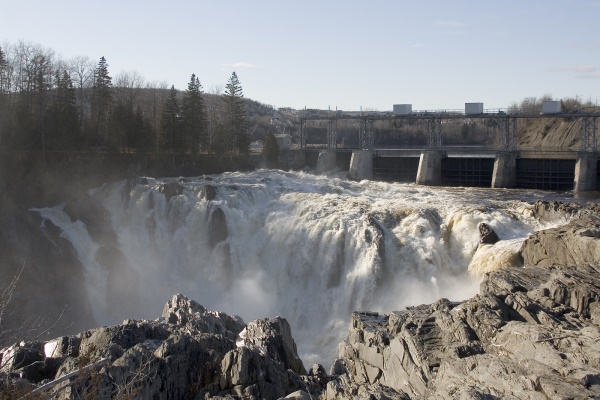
(507, 122)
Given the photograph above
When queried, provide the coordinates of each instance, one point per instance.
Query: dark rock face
(208, 192)
(33, 252)
(552, 210)
(171, 189)
(487, 234)
(189, 353)
(217, 227)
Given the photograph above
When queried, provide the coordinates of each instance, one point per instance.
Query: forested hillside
(49, 104)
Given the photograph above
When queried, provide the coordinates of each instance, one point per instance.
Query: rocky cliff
(532, 332)
(188, 353)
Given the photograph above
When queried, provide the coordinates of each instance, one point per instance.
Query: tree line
(50, 104)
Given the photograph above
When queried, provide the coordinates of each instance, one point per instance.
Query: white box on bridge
(402, 109)
(551, 107)
(284, 141)
(473, 108)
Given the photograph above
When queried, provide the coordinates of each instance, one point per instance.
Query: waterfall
(309, 248)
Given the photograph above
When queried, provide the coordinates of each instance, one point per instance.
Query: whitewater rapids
(309, 248)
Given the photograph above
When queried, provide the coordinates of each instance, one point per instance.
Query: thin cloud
(582, 69)
(588, 76)
(417, 45)
(241, 64)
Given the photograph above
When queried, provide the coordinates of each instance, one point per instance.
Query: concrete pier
(292, 159)
(325, 162)
(585, 172)
(361, 165)
(430, 168)
(505, 170)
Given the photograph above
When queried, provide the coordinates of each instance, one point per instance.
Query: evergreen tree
(142, 138)
(63, 117)
(219, 143)
(101, 101)
(194, 117)
(32, 102)
(121, 127)
(236, 120)
(171, 122)
(270, 150)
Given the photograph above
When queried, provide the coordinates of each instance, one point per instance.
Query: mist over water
(309, 248)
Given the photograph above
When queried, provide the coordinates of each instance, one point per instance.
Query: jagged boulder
(403, 350)
(20, 355)
(275, 336)
(113, 341)
(184, 312)
(266, 365)
(575, 243)
(65, 346)
(249, 371)
(487, 234)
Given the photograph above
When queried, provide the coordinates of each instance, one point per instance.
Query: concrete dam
(470, 148)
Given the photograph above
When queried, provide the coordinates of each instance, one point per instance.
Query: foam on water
(309, 248)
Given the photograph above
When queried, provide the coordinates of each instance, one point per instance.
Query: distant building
(284, 141)
(402, 109)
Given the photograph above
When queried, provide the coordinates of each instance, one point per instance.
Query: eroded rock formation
(188, 353)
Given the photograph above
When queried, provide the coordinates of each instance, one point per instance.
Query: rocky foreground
(533, 332)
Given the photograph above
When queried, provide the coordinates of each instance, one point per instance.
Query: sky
(346, 55)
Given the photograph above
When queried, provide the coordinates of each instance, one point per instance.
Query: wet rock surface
(487, 234)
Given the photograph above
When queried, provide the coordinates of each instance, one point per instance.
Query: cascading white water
(309, 248)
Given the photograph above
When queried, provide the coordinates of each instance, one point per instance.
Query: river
(308, 248)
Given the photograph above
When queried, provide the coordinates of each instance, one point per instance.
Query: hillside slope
(548, 133)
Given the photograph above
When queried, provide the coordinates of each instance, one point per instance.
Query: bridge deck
(446, 115)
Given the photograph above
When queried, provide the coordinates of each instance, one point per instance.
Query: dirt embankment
(549, 133)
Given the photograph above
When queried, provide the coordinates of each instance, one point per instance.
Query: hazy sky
(347, 54)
